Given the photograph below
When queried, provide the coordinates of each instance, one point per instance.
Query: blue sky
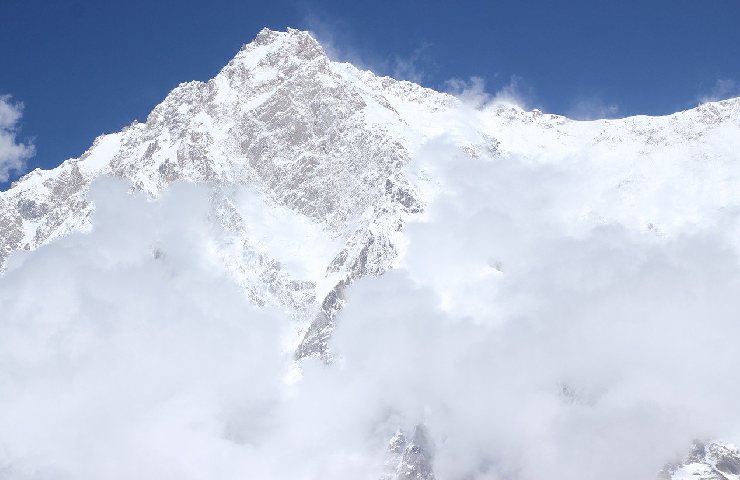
(82, 68)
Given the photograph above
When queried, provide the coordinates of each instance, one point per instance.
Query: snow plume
(473, 92)
(592, 108)
(13, 154)
(722, 89)
(340, 44)
(529, 345)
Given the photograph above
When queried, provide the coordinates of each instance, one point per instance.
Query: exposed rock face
(409, 459)
(305, 135)
(284, 131)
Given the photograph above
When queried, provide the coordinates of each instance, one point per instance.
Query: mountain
(318, 142)
(707, 462)
(317, 167)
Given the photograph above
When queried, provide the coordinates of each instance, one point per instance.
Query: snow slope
(316, 168)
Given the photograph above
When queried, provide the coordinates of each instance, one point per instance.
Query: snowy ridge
(316, 167)
(707, 462)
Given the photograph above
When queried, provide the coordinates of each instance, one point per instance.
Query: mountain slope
(316, 142)
(316, 168)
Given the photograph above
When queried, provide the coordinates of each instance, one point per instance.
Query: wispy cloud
(414, 67)
(13, 153)
(473, 91)
(722, 89)
(339, 44)
(592, 108)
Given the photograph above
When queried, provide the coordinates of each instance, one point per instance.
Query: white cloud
(473, 92)
(125, 352)
(129, 352)
(412, 68)
(531, 345)
(592, 108)
(337, 41)
(525, 343)
(722, 89)
(13, 154)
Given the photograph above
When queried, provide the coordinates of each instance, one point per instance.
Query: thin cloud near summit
(13, 152)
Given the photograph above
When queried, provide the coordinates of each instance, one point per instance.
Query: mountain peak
(293, 42)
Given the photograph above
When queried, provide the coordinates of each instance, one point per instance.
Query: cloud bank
(534, 348)
(13, 154)
(528, 345)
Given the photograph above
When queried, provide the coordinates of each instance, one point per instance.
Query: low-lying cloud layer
(535, 348)
(529, 346)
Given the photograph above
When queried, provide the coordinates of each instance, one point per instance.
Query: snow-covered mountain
(710, 462)
(316, 167)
